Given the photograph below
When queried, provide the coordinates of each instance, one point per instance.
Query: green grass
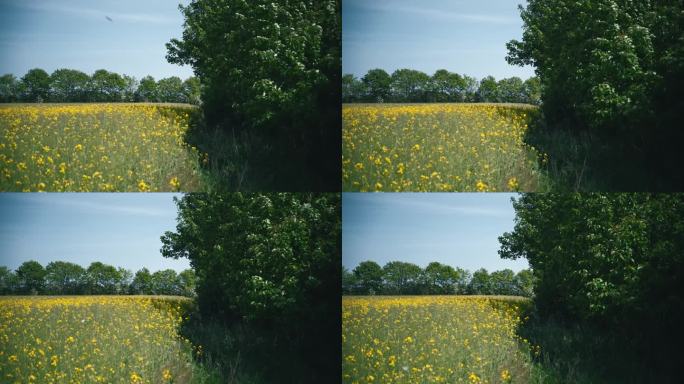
(95, 339)
(113, 147)
(435, 339)
(439, 147)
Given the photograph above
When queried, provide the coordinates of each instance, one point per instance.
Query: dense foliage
(401, 278)
(614, 68)
(270, 69)
(270, 262)
(411, 86)
(69, 85)
(610, 260)
(66, 278)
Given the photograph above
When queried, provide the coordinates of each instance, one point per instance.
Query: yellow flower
(408, 340)
(78, 147)
(513, 184)
(174, 183)
(481, 186)
(135, 378)
(166, 375)
(378, 186)
(358, 166)
(54, 360)
(505, 375)
(143, 186)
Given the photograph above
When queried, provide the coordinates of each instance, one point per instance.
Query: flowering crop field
(435, 339)
(438, 147)
(97, 147)
(93, 339)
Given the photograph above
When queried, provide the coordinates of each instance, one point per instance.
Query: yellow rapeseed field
(93, 339)
(438, 147)
(97, 147)
(434, 339)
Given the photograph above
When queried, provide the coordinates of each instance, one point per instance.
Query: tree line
(401, 278)
(70, 85)
(65, 278)
(412, 86)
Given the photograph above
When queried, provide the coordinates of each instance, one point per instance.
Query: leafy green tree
(259, 256)
(147, 90)
(107, 86)
(511, 90)
(446, 86)
(532, 91)
(142, 282)
(524, 282)
(599, 256)
(64, 278)
(439, 279)
(9, 88)
(269, 261)
(165, 282)
(271, 69)
(614, 68)
(187, 282)
(378, 85)
(401, 278)
(488, 90)
(192, 91)
(348, 282)
(170, 90)
(129, 87)
(7, 281)
(409, 85)
(31, 277)
(503, 282)
(102, 278)
(35, 86)
(353, 89)
(369, 276)
(68, 85)
(124, 280)
(480, 283)
(470, 88)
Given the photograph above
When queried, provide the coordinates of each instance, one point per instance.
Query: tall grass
(95, 339)
(436, 339)
(98, 147)
(439, 147)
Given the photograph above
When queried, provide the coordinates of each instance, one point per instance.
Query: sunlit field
(438, 147)
(435, 339)
(97, 147)
(93, 339)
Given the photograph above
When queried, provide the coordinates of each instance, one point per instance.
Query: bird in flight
(109, 18)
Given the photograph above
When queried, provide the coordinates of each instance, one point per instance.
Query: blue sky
(458, 229)
(76, 34)
(462, 36)
(120, 229)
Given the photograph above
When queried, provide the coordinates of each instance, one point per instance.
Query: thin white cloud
(439, 13)
(76, 202)
(442, 204)
(100, 14)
